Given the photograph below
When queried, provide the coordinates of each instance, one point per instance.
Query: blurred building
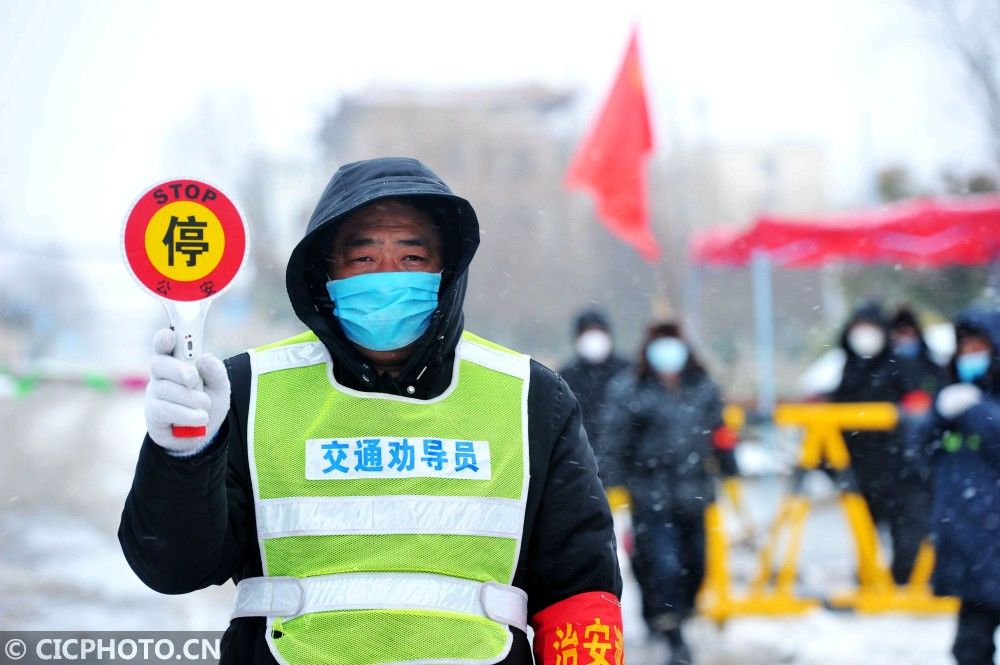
(731, 185)
(544, 255)
(277, 195)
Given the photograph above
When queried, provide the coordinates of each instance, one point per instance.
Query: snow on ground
(819, 638)
(66, 460)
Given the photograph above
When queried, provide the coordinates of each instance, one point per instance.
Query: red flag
(611, 161)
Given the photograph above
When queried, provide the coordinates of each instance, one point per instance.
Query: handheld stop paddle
(184, 241)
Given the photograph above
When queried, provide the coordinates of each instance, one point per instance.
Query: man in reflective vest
(385, 487)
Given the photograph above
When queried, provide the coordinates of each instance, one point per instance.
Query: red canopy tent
(919, 233)
(926, 233)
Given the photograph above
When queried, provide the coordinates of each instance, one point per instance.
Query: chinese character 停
(336, 463)
(186, 237)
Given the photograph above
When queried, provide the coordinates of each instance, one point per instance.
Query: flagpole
(660, 305)
(763, 310)
(693, 281)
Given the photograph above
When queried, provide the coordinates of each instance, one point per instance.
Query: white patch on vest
(358, 457)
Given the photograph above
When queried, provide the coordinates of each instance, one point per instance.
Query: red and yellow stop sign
(184, 240)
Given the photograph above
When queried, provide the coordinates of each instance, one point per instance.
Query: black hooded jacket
(659, 441)
(919, 373)
(590, 380)
(876, 457)
(965, 457)
(189, 522)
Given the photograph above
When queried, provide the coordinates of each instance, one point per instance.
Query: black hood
(354, 186)
(984, 322)
(591, 318)
(906, 318)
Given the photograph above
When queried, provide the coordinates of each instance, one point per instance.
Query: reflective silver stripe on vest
(303, 354)
(514, 365)
(379, 515)
(289, 597)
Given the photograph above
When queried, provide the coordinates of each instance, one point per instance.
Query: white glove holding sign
(182, 394)
(958, 398)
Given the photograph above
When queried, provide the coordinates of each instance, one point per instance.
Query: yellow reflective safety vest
(389, 527)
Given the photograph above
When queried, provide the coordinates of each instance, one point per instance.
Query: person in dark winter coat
(922, 377)
(591, 370)
(964, 441)
(886, 477)
(659, 425)
(196, 514)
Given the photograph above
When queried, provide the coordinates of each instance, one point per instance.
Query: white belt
(289, 597)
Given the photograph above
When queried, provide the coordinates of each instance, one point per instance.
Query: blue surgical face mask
(972, 366)
(667, 355)
(906, 348)
(385, 311)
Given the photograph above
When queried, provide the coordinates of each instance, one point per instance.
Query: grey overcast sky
(93, 93)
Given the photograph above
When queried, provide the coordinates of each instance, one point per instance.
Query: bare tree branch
(970, 31)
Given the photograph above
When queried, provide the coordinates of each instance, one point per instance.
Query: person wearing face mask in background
(963, 441)
(922, 377)
(663, 429)
(591, 370)
(878, 460)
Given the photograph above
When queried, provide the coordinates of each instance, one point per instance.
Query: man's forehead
(387, 216)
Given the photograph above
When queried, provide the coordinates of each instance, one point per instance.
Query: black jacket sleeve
(187, 522)
(571, 545)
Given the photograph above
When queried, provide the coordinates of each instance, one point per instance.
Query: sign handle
(187, 320)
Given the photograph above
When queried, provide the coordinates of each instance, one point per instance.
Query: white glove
(958, 398)
(177, 395)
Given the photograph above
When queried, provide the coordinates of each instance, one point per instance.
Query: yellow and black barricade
(772, 589)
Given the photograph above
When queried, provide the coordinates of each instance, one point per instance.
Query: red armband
(585, 628)
(917, 402)
(725, 438)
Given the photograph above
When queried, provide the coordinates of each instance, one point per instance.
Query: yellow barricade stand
(772, 590)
